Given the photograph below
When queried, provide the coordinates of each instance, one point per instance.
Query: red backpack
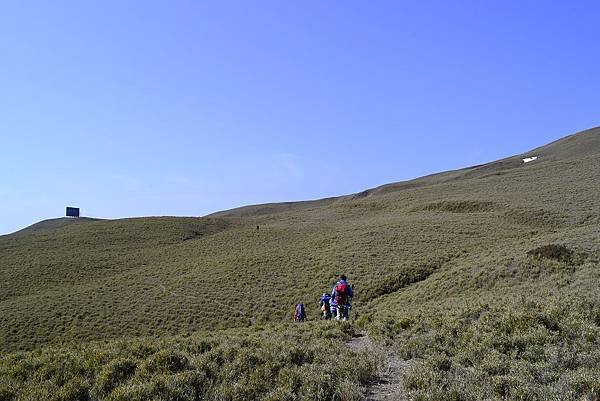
(341, 293)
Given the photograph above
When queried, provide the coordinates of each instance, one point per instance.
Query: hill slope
(576, 146)
(148, 275)
(439, 263)
(52, 224)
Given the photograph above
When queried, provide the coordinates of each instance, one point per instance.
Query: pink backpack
(341, 293)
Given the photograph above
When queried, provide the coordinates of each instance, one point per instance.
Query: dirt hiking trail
(388, 385)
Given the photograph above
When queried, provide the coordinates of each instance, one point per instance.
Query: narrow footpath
(388, 384)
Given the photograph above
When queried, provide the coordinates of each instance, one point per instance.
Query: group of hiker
(335, 305)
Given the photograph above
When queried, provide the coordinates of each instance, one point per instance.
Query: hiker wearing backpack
(325, 306)
(333, 308)
(299, 313)
(342, 294)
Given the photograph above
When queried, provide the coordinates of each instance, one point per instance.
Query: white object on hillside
(529, 159)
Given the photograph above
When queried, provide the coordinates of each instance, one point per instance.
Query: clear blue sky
(133, 108)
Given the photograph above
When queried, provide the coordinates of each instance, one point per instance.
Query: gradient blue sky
(133, 108)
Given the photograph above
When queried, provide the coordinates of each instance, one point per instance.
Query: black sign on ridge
(72, 211)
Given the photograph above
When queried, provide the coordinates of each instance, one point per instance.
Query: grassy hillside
(291, 363)
(52, 224)
(486, 277)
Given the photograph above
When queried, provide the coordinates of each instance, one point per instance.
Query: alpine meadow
(473, 284)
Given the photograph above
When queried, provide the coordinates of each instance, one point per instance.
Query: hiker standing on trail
(324, 303)
(342, 294)
(299, 313)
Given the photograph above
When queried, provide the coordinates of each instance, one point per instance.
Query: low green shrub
(114, 373)
(295, 362)
(523, 350)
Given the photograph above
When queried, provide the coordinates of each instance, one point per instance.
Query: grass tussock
(308, 362)
(556, 252)
(528, 350)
